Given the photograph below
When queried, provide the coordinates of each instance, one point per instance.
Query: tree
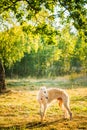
(11, 11)
(77, 12)
(75, 8)
(12, 48)
(2, 77)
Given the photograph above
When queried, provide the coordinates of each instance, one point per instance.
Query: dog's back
(56, 93)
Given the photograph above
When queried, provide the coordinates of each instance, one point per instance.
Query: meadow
(19, 109)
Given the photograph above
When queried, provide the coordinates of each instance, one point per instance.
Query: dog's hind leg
(66, 114)
(62, 107)
(68, 109)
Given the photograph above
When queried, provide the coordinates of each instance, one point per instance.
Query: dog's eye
(44, 91)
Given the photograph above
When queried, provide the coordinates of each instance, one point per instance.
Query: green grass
(35, 84)
(19, 107)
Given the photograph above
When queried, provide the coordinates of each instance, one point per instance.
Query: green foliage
(51, 49)
(65, 52)
(77, 11)
(12, 45)
(75, 8)
(79, 57)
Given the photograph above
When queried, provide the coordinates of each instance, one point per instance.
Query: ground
(19, 109)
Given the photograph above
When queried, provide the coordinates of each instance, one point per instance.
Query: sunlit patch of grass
(19, 109)
(16, 108)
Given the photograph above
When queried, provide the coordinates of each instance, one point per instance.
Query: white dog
(45, 96)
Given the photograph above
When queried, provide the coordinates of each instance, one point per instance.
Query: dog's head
(43, 95)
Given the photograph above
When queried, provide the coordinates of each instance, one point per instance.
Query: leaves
(36, 31)
(12, 45)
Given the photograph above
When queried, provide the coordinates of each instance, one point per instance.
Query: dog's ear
(43, 88)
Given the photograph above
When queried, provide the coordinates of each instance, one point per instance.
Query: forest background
(42, 43)
(43, 38)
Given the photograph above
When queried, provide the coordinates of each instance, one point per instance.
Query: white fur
(46, 96)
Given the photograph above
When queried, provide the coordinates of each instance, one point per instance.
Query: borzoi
(45, 96)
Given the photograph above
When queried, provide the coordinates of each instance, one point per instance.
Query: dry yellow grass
(19, 110)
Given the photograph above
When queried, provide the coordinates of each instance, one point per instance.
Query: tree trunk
(2, 77)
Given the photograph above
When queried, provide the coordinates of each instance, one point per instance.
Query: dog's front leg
(44, 109)
(41, 112)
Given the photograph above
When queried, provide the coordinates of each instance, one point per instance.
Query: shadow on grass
(44, 124)
(32, 125)
(80, 119)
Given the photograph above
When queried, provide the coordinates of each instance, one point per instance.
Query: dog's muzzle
(45, 97)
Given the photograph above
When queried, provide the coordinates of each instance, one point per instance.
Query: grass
(19, 108)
